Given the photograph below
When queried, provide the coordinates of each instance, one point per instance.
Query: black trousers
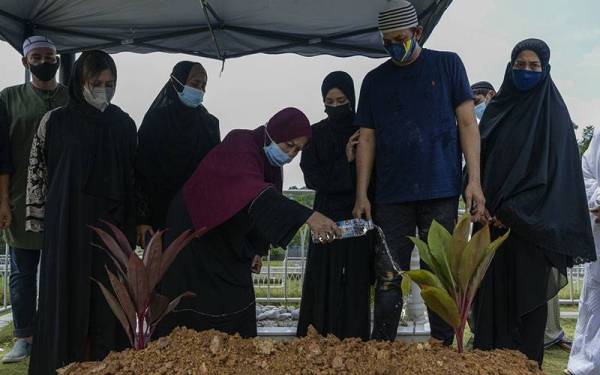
(399, 221)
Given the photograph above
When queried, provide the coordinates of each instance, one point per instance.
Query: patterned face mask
(401, 52)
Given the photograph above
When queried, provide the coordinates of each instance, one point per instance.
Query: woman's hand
(141, 234)
(323, 227)
(351, 146)
(256, 264)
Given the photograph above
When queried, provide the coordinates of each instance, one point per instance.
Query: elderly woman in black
(335, 295)
(532, 179)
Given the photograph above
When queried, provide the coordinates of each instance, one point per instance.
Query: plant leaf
(473, 254)
(463, 228)
(153, 259)
(424, 252)
(137, 280)
(123, 297)
(117, 310)
(111, 245)
(438, 240)
(424, 278)
(158, 306)
(175, 247)
(173, 304)
(441, 303)
(120, 237)
(482, 268)
(457, 245)
(405, 285)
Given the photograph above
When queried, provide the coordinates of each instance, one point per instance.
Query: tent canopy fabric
(219, 29)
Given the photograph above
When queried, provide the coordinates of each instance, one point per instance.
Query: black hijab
(173, 137)
(101, 132)
(531, 170)
(343, 82)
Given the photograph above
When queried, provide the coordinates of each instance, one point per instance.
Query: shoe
(20, 351)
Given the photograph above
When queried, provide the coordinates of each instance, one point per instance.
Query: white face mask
(98, 97)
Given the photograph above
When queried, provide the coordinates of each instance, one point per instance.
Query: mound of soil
(194, 353)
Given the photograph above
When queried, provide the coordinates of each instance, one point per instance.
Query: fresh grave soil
(194, 353)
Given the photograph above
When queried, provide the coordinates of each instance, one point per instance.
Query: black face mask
(45, 71)
(340, 112)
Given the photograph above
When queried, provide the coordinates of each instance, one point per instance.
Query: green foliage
(306, 198)
(458, 266)
(277, 253)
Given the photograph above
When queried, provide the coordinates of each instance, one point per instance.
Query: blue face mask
(525, 80)
(275, 154)
(403, 51)
(479, 109)
(190, 96)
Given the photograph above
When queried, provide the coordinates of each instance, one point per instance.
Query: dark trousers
(23, 289)
(399, 221)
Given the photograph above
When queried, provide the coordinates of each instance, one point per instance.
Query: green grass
(6, 343)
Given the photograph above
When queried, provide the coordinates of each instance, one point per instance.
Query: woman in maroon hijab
(235, 193)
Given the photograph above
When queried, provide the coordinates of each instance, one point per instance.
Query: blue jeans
(23, 289)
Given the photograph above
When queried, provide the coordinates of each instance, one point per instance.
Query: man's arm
(5, 168)
(470, 142)
(365, 157)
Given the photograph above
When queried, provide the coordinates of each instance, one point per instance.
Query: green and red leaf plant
(136, 305)
(458, 265)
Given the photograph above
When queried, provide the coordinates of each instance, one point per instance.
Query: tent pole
(210, 29)
(66, 64)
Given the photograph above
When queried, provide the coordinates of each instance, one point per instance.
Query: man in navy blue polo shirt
(416, 118)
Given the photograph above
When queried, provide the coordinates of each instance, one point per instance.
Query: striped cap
(37, 41)
(398, 15)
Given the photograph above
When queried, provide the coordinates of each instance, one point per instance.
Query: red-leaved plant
(135, 304)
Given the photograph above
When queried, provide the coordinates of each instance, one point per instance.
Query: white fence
(4, 277)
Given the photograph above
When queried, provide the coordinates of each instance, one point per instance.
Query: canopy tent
(218, 29)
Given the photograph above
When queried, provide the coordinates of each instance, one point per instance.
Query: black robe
(533, 183)
(217, 266)
(81, 171)
(335, 294)
(173, 140)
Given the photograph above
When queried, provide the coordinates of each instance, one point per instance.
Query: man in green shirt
(21, 109)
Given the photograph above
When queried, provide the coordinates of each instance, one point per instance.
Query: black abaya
(335, 294)
(217, 266)
(89, 166)
(173, 140)
(533, 183)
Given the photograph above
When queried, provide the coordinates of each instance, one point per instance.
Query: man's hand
(596, 212)
(475, 201)
(256, 264)
(5, 214)
(362, 209)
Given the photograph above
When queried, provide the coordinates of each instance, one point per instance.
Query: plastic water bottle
(350, 228)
